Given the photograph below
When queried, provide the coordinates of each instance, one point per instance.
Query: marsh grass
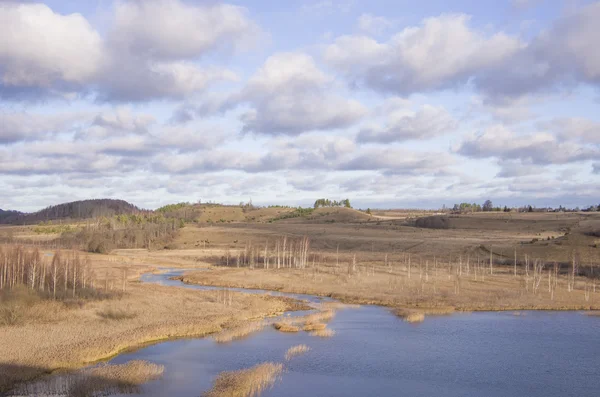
(410, 316)
(249, 382)
(116, 314)
(323, 333)
(103, 380)
(309, 327)
(296, 351)
(238, 332)
(285, 326)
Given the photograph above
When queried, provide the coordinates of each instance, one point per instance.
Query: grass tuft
(410, 316)
(249, 382)
(296, 351)
(116, 314)
(286, 327)
(238, 333)
(308, 327)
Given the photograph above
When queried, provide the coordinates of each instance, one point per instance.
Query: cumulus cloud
(150, 50)
(406, 124)
(574, 129)
(443, 52)
(397, 161)
(22, 126)
(540, 148)
(290, 95)
(172, 30)
(47, 50)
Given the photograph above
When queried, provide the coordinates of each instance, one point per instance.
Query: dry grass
(249, 382)
(323, 333)
(296, 351)
(410, 316)
(103, 380)
(308, 327)
(51, 335)
(284, 326)
(238, 332)
(116, 314)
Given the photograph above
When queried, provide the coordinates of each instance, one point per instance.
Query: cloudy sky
(391, 103)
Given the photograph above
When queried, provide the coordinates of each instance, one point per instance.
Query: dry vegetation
(284, 326)
(296, 351)
(246, 382)
(42, 332)
(480, 262)
(102, 380)
(238, 332)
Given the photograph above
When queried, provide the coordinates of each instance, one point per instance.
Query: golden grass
(438, 291)
(296, 351)
(249, 382)
(410, 316)
(308, 327)
(320, 316)
(238, 332)
(323, 333)
(285, 326)
(103, 380)
(55, 335)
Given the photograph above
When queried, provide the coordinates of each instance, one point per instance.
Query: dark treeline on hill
(332, 203)
(8, 215)
(84, 209)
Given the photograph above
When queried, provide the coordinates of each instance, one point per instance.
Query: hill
(83, 209)
(6, 215)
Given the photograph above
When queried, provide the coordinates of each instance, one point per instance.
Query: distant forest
(84, 209)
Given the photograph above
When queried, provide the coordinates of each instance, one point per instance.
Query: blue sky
(388, 103)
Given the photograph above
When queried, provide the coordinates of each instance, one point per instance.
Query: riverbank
(430, 291)
(68, 337)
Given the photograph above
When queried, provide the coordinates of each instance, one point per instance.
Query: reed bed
(103, 380)
(285, 326)
(309, 327)
(239, 332)
(410, 316)
(296, 351)
(323, 333)
(249, 382)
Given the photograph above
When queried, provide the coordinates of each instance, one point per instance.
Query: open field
(538, 260)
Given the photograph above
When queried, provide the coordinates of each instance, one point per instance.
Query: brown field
(393, 263)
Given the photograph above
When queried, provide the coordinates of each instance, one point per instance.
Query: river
(374, 353)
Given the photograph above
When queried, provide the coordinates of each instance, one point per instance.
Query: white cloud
(44, 49)
(406, 124)
(539, 148)
(290, 95)
(443, 52)
(574, 129)
(174, 30)
(150, 51)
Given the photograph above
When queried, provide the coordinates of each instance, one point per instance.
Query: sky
(390, 103)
